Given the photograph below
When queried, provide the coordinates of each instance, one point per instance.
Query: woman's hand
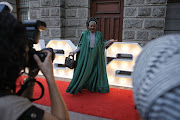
(72, 53)
(113, 40)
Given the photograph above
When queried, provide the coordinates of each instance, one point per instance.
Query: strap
(25, 85)
(42, 91)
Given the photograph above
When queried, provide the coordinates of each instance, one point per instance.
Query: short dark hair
(13, 39)
(89, 20)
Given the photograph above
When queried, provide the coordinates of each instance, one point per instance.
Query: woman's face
(92, 27)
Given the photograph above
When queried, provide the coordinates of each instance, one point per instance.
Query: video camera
(33, 28)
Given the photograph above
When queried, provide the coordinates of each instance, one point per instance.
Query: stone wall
(144, 20)
(53, 13)
(65, 19)
(77, 12)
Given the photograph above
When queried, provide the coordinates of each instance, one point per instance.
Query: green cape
(90, 71)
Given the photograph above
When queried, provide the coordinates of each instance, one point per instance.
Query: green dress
(90, 71)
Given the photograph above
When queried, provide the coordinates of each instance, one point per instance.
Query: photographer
(13, 59)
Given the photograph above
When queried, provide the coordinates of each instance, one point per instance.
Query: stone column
(144, 20)
(52, 12)
(77, 12)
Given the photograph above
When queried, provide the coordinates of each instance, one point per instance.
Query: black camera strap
(25, 85)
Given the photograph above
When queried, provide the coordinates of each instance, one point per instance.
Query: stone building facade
(143, 20)
(65, 19)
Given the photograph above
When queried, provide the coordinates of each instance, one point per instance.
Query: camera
(33, 28)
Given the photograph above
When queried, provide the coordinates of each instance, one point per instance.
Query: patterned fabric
(156, 79)
(92, 40)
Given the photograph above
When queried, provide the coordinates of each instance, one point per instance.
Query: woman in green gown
(90, 71)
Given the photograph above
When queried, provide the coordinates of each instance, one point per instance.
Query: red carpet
(117, 105)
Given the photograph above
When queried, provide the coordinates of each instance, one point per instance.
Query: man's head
(13, 50)
(156, 79)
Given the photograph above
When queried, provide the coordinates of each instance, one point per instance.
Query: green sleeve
(81, 39)
(103, 41)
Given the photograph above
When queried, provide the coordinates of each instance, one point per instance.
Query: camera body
(33, 28)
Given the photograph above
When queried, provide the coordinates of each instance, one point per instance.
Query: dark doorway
(110, 17)
(172, 24)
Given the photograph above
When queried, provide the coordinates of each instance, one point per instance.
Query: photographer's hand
(33, 72)
(58, 106)
(46, 67)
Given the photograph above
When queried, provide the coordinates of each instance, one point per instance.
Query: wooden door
(110, 17)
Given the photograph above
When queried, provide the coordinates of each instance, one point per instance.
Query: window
(23, 9)
(172, 25)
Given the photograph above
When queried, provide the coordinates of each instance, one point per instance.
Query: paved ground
(74, 115)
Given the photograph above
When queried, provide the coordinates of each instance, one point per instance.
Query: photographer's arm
(28, 92)
(59, 110)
